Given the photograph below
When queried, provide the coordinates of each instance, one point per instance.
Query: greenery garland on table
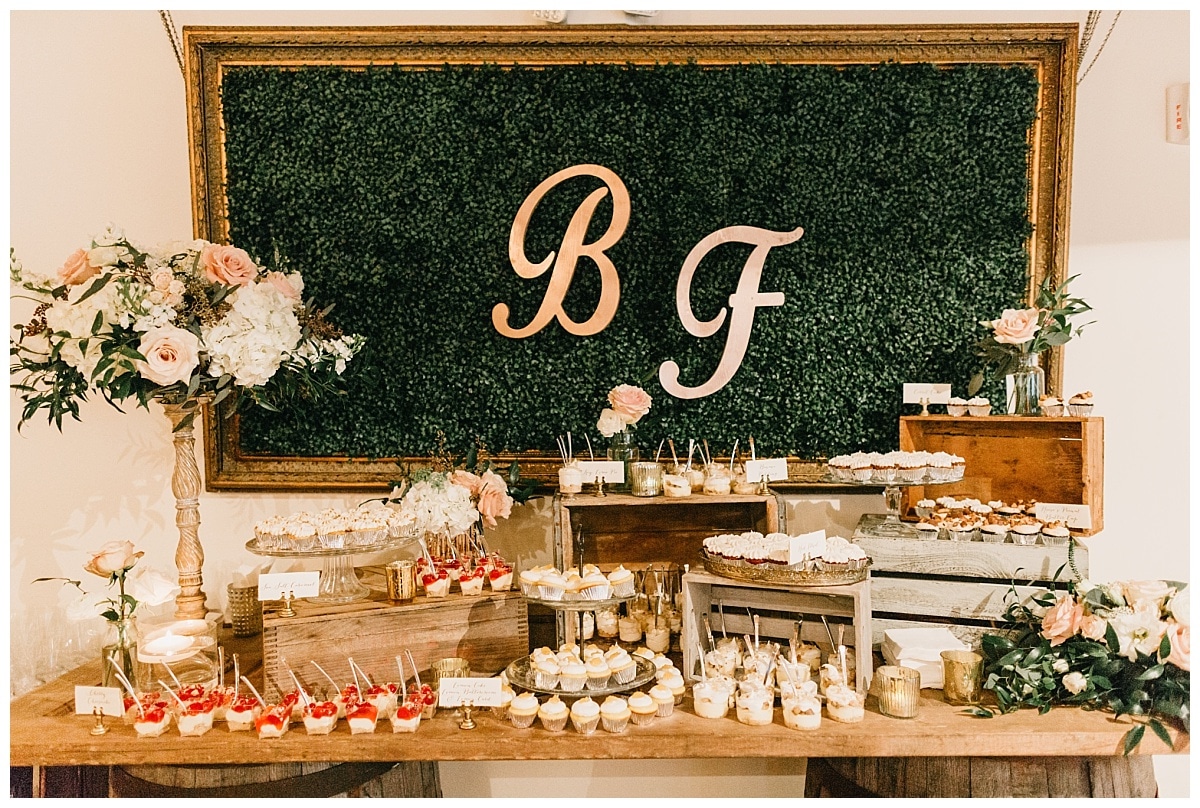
(1123, 646)
(396, 189)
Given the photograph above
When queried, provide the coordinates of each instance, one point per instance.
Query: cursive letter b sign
(573, 247)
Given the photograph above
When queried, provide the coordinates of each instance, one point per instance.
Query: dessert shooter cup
(899, 690)
(962, 673)
(646, 478)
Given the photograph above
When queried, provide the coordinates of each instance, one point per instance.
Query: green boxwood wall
(394, 191)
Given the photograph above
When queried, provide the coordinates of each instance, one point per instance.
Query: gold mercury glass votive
(401, 580)
(646, 479)
(899, 690)
(962, 673)
(450, 668)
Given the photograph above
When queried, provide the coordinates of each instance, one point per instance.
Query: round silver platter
(520, 676)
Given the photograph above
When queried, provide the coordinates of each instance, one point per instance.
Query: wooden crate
(961, 585)
(1010, 457)
(489, 630)
(624, 529)
(778, 607)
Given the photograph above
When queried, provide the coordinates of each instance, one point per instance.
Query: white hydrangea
(252, 339)
(440, 507)
(76, 319)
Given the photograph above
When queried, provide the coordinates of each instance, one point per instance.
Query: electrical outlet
(550, 16)
(1178, 114)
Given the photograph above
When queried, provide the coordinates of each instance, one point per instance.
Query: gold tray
(775, 574)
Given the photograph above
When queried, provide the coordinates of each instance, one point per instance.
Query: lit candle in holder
(168, 644)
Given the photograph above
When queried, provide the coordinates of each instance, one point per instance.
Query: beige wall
(98, 134)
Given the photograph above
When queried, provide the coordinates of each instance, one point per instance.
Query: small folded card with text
(108, 699)
(478, 692)
(931, 393)
(1077, 516)
(613, 471)
(773, 469)
(796, 545)
(274, 585)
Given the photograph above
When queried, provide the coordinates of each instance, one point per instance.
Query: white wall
(98, 133)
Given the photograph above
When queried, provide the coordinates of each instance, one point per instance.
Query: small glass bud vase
(621, 447)
(1028, 387)
(120, 644)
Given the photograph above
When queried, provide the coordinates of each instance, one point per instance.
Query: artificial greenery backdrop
(394, 191)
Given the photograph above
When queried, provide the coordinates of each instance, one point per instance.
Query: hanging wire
(1093, 19)
(169, 25)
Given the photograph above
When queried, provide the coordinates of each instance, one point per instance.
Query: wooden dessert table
(45, 732)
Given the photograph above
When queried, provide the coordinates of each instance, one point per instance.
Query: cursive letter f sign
(743, 302)
(569, 253)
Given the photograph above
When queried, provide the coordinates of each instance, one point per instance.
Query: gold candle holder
(962, 674)
(646, 478)
(899, 690)
(401, 581)
(450, 668)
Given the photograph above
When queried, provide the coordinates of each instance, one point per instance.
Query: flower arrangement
(627, 405)
(174, 322)
(1020, 333)
(1124, 647)
(457, 495)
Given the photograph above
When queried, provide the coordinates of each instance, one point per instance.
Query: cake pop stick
(132, 693)
(589, 445)
(261, 700)
(173, 694)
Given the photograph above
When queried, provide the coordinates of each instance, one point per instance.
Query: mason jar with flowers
(1020, 336)
(627, 404)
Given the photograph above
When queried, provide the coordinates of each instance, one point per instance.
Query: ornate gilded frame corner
(1050, 47)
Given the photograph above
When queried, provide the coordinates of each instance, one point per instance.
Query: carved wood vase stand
(185, 485)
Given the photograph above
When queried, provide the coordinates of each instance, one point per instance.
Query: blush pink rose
(494, 501)
(1061, 622)
(228, 265)
(77, 269)
(171, 354)
(629, 402)
(1015, 326)
(1093, 626)
(1180, 637)
(113, 556)
(283, 285)
(467, 480)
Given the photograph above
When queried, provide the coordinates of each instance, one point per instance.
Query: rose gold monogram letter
(569, 253)
(744, 301)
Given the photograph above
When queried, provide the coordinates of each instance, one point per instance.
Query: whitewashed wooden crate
(962, 585)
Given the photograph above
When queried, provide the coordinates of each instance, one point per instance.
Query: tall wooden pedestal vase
(185, 485)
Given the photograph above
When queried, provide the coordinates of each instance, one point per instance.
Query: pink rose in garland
(494, 501)
(171, 354)
(1180, 637)
(1061, 622)
(1015, 326)
(229, 265)
(629, 402)
(77, 269)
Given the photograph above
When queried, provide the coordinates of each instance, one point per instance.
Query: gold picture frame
(1051, 48)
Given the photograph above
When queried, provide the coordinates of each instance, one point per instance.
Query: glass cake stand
(520, 675)
(888, 525)
(339, 582)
